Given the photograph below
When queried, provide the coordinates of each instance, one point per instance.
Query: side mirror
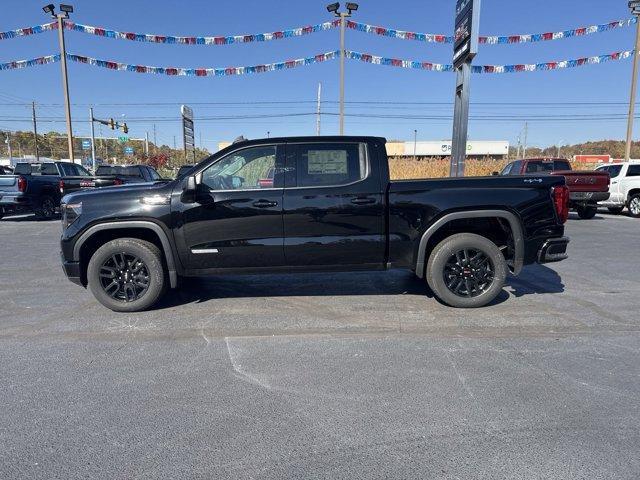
(189, 185)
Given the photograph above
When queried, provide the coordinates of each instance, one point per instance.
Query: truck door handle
(363, 200)
(264, 204)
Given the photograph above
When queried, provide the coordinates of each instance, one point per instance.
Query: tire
(634, 205)
(587, 212)
(615, 210)
(114, 268)
(443, 262)
(46, 210)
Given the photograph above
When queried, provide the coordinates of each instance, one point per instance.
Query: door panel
(329, 225)
(239, 226)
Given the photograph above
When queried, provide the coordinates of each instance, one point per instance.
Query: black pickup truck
(310, 204)
(38, 187)
(109, 175)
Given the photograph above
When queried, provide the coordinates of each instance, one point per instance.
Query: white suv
(624, 187)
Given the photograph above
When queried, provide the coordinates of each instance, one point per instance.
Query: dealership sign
(466, 37)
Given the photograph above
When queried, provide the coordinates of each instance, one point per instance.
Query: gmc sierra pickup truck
(586, 188)
(310, 204)
(38, 187)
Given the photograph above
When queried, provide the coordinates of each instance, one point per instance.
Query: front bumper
(589, 197)
(553, 250)
(71, 270)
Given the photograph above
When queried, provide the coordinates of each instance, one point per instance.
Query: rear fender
(514, 223)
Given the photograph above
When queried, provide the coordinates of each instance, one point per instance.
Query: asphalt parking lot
(354, 375)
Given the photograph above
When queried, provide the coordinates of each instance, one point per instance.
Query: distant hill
(615, 148)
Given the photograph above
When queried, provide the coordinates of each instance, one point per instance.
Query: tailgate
(586, 181)
(8, 183)
(73, 184)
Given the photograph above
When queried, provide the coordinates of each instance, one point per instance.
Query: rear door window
(330, 164)
(633, 171)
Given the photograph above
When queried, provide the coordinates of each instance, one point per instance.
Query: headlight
(70, 213)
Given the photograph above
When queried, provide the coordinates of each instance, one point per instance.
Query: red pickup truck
(586, 188)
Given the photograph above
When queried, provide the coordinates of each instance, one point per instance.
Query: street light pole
(60, 17)
(333, 8)
(65, 82)
(634, 82)
(415, 143)
(93, 140)
(343, 16)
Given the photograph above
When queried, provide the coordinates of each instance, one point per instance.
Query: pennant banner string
(300, 31)
(30, 63)
(322, 57)
(536, 67)
(24, 32)
(492, 40)
(217, 40)
(206, 72)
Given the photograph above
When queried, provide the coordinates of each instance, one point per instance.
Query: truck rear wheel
(46, 210)
(587, 212)
(634, 205)
(466, 271)
(127, 275)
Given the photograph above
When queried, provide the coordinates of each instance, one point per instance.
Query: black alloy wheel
(47, 209)
(124, 277)
(468, 273)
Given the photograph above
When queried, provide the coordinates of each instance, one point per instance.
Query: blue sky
(106, 89)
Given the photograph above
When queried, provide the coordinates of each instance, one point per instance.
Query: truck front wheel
(466, 271)
(127, 275)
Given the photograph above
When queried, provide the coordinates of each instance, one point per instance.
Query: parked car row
(586, 188)
(38, 187)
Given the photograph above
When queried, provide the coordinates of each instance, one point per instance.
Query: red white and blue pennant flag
(492, 40)
(205, 72)
(322, 57)
(536, 67)
(30, 63)
(300, 31)
(24, 32)
(215, 40)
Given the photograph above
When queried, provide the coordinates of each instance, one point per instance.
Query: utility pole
(318, 108)
(635, 10)
(146, 143)
(155, 140)
(93, 140)
(8, 142)
(526, 134)
(35, 129)
(60, 17)
(174, 142)
(333, 8)
(415, 143)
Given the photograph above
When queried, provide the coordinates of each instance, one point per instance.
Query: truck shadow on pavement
(536, 279)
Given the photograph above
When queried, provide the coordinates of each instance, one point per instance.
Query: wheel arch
(442, 222)
(150, 231)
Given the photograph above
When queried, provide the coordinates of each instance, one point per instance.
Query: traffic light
(125, 129)
(112, 124)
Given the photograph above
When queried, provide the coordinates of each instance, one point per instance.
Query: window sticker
(327, 162)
